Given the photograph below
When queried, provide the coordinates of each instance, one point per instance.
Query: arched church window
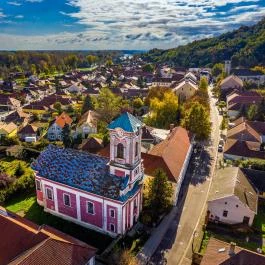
(136, 149)
(120, 151)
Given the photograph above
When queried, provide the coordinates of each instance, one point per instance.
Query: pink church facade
(108, 198)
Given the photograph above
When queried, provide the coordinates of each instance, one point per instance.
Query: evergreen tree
(66, 136)
(159, 195)
(87, 104)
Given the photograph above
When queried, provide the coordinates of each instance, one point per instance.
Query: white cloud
(19, 16)
(34, 1)
(14, 3)
(142, 24)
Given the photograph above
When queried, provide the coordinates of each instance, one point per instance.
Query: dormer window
(120, 151)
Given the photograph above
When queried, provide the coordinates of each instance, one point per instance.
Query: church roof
(79, 170)
(127, 122)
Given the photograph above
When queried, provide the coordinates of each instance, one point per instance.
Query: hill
(245, 46)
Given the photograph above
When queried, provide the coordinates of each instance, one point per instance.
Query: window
(225, 202)
(135, 203)
(120, 151)
(237, 206)
(136, 149)
(90, 208)
(225, 213)
(112, 213)
(49, 194)
(38, 186)
(112, 227)
(66, 200)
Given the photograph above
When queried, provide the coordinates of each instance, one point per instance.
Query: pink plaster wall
(70, 211)
(111, 220)
(94, 219)
(39, 195)
(49, 203)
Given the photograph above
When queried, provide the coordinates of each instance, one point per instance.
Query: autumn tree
(91, 59)
(107, 104)
(197, 121)
(156, 92)
(164, 111)
(158, 198)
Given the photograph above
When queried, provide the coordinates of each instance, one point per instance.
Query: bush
(253, 163)
(19, 170)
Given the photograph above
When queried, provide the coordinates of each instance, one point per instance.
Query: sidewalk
(153, 242)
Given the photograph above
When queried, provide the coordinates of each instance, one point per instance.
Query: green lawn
(241, 242)
(27, 206)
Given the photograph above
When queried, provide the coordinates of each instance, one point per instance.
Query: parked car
(221, 145)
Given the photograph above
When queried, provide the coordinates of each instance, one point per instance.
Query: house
(161, 82)
(238, 102)
(245, 140)
(87, 124)
(18, 117)
(257, 179)
(23, 243)
(234, 199)
(8, 103)
(171, 155)
(8, 129)
(186, 89)
(251, 76)
(56, 128)
(28, 133)
(244, 130)
(236, 150)
(91, 145)
(222, 253)
(230, 83)
(94, 191)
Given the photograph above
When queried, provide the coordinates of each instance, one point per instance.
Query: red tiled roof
(23, 242)
(243, 149)
(217, 253)
(63, 119)
(173, 150)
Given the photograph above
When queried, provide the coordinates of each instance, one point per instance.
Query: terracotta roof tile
(217, 253)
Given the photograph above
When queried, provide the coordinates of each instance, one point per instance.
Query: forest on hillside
(244, 46)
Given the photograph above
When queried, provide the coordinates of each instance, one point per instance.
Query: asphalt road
(175, 247)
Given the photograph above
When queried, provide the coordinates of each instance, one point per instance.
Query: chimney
(171, 127)
(232, 249)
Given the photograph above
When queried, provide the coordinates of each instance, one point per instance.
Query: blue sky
(117, 24)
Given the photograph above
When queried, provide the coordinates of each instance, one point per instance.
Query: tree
(19, 170)
(217, 69)
(127, 258)
(224, 124)
(149, 68)
(87, 104)
(91, 59)
(197, 121)
(156, 92)
(252, 112)
(109, 62)
(107, 105)
(66, 136)
(164, 111)
(159, 195)
(137, 103)
(58, 106)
